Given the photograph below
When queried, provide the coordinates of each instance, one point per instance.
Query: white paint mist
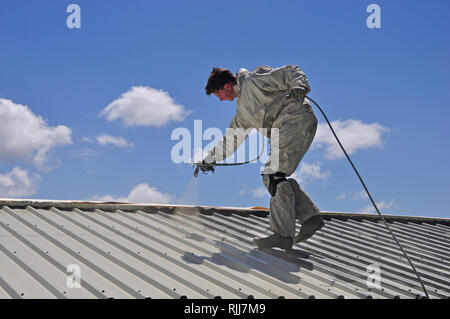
(190, 195)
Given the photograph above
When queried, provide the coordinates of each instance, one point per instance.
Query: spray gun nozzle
(204, 167)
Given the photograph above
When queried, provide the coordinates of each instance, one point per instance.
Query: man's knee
(271, 181)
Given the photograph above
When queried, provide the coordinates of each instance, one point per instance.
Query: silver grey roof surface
(163, 251)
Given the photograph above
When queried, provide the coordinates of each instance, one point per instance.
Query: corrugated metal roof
(163, 251)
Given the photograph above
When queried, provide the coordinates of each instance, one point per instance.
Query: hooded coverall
(263, 101)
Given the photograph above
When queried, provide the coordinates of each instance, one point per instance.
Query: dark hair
(218, 78)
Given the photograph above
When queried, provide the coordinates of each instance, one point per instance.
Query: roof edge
(113, 205)
(386, 216)
(263, 211)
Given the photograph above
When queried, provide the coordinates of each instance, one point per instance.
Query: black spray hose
(368, 193)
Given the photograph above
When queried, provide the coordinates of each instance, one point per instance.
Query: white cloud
(362, 195)
(256, 192)
(144, 106)
(87, 139)
(141, 193)
(353, 134)
(243, 190)
(381, 206)
(119, 141)
(27, 137)
(309, 173)
(343, 195)
(145, 193)
(18, 182)
(259, 192)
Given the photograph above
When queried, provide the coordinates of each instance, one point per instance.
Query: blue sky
(386, 90)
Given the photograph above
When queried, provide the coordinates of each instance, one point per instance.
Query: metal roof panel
(128, 250)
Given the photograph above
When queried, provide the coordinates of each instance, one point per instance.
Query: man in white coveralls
(273, 98)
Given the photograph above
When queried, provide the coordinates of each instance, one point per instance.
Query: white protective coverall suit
(263, 95)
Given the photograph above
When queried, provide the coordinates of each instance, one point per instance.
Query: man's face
(227, 93)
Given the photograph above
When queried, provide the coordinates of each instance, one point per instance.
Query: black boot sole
(260, 245)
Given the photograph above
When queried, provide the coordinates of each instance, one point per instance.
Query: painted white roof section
(169, 251)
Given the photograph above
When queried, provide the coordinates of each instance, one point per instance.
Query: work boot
(309, 227)
(274, 240)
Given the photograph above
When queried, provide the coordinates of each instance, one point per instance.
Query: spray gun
(204, 167)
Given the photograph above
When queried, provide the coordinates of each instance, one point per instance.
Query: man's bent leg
(282, 205)
(282, 213)
(287, 149)
(295, 141)
(304, 206)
